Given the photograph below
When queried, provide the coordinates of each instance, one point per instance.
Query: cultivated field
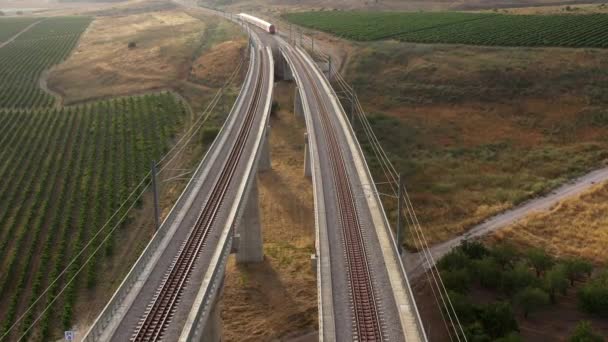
(478, 130)
(23, 61)
(462, 28)
(11, 26)
(69, 170)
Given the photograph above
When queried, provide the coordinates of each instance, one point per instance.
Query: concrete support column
(264, 163)
(250, 230)
(213, 329)
(297, 104)
(287, 75)
(307, 156)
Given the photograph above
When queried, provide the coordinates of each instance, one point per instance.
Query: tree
(517, 278)
(593, 297)
(455, 259)
(505, 254)
(512, 337)
(584, 333)
(555, 281)
(540, 260)
(474, 249)
(531, 299)
(576, 268)
(465, 309)
(487, 271)
(457, 280)
(498, 319)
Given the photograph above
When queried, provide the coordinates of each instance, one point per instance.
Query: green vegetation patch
(65, 173)
(11, 26)
(462, 28)
(23, 61)
(495, 289)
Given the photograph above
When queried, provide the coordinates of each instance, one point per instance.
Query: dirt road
(3, 44)
(415, 262)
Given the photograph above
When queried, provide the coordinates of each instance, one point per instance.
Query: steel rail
(160, 311)
(367, 325)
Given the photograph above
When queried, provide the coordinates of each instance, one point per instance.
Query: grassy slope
(574, 227)
(478, 130)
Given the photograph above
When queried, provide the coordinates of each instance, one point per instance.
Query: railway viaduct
(173, 292)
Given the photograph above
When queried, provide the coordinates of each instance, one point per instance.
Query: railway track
(159, 312)
(365, 308)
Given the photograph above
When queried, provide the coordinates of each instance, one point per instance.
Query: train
(264, 25)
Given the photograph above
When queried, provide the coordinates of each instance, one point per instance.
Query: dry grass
(277, 299)
(103, 66)
(477, 130)
(574, 227)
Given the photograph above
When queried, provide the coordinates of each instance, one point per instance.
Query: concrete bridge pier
(265, 163)
(297, 104)
(214, 328)
(307, 156)
(250, 243)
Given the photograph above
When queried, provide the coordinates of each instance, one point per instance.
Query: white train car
(264, 25)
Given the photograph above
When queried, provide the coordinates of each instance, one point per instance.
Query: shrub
(512, 337)
(517, 278)
(540, 260)
(457, 280)
(593, 296)
(487, 271)
(584, 333)
(556, 281)
(498, 319)
(577, 268)
(531, 299)
(466, 311)
(456, 259)
(474, 249)
(505, 254)
(132, 45)
(209, 134)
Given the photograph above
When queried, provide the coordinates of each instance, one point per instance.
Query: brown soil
(277, 299)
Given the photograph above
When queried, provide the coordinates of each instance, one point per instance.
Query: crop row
(11, 26)
(463, 28)
(23, 61)
(66, 171)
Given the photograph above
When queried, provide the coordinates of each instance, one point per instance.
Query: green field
(64, 173)
(23, 61)
(462, 28)
(11, 26)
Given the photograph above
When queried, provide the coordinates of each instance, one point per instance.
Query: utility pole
(399, 205)
(301, 38)
(155, 189)
(312, 44)
(352, 108)
(329, 69)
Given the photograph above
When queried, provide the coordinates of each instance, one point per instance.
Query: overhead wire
(433, 276)
(190, 134)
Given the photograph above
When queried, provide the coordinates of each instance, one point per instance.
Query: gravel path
(414, 262)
